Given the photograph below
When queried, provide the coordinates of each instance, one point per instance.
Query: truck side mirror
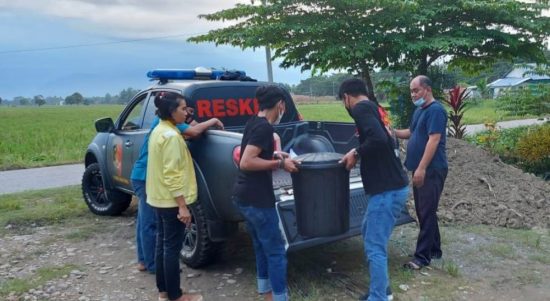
(104, 125)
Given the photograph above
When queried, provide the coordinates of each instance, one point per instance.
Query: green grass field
(52, 135)
(33, 136)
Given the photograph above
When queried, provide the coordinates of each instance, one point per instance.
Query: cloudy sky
(57, 47)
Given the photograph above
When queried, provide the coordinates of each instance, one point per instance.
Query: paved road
(40, 178)
(64, 175)
(475, 128)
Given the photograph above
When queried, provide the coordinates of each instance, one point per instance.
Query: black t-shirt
(381, 168)
(255, 188)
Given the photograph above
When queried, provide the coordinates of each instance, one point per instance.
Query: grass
(48, 135)
(485, 111)
(42, 275)
(42, 207)
(52, 135)
(324, 112)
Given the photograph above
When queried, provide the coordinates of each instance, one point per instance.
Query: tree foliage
(74, 99)
(361, 35)
(39, 100)
(526, 100)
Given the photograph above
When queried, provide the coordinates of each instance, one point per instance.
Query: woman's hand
(184, 215)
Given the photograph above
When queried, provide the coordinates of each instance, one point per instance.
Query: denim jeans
(170, 237)
(426, 201)
(382, 211)
(146, 228)
(269, 247)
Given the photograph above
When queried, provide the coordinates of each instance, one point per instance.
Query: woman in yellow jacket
(171, 187)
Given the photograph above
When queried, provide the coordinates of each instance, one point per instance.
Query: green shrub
(526, 147)
(533, 150)
(527, 100)
(500, 142)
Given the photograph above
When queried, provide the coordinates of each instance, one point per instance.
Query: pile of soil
(481, 189)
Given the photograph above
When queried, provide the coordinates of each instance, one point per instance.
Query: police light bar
(198, 73)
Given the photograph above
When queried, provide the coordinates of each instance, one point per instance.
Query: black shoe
(388, 293)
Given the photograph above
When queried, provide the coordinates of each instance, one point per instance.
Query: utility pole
(268, 58)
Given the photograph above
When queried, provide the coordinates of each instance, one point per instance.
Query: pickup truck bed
(282, 183)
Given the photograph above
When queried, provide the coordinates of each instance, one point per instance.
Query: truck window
(133, 119)
(150, 111)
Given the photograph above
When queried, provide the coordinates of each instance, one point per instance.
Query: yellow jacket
(170, 171)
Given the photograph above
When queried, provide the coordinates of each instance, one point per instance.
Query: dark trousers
(426, 200)
(169, 243)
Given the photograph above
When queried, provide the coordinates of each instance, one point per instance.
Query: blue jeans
(146, 228)
(382, 211)
(269, 247)
(170, 237)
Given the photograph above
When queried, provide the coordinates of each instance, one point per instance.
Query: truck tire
(198, 250)
(102, 201)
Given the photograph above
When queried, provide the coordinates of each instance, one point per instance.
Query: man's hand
(290, 165)
(418, 177)
(280, 155)
(349, 159)
(184, 216)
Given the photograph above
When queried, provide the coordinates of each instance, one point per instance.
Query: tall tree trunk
(365, 74)
(423, 65)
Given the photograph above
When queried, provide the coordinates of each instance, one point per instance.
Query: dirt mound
(481, 189)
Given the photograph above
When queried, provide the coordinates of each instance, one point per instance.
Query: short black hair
(353, 87)
(425, 81)
(167, 103)
(269, 95)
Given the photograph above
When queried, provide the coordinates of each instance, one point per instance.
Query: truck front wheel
(198, 250)
(100, 200)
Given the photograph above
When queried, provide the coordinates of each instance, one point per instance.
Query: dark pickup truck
(110, 157)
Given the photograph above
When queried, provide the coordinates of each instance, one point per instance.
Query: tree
(0, 100)
(126, 95)
(39, 100)
(23, 101)
(361, 35)
(75, 98)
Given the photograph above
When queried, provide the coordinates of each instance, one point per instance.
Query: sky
(58, 47)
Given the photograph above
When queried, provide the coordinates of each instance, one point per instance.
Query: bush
(528, 100)
(526, 147)
(533, 150)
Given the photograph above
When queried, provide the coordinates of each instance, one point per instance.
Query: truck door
(125, 142)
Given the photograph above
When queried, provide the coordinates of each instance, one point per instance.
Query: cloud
(131, 18)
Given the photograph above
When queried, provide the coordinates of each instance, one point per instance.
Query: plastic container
(321, 195)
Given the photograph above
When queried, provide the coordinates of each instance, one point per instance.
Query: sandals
(413, 266)
(141, 267)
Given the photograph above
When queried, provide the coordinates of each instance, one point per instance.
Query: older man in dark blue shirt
(427, 160)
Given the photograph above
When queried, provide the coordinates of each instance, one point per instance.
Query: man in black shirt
(384, 180)
(253, 192)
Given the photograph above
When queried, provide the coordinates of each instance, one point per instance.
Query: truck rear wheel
(102, 201)
(198, 250)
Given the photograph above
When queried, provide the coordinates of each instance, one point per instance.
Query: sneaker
(388, 293)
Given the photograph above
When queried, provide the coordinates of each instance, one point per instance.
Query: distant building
(520, 76)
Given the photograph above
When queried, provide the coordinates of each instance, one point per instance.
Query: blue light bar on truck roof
(198, 73)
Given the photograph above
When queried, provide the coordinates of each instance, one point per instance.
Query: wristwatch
(355, 153)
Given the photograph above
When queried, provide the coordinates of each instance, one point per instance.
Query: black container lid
(319, 160)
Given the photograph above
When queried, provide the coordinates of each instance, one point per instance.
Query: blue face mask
(420, 102)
